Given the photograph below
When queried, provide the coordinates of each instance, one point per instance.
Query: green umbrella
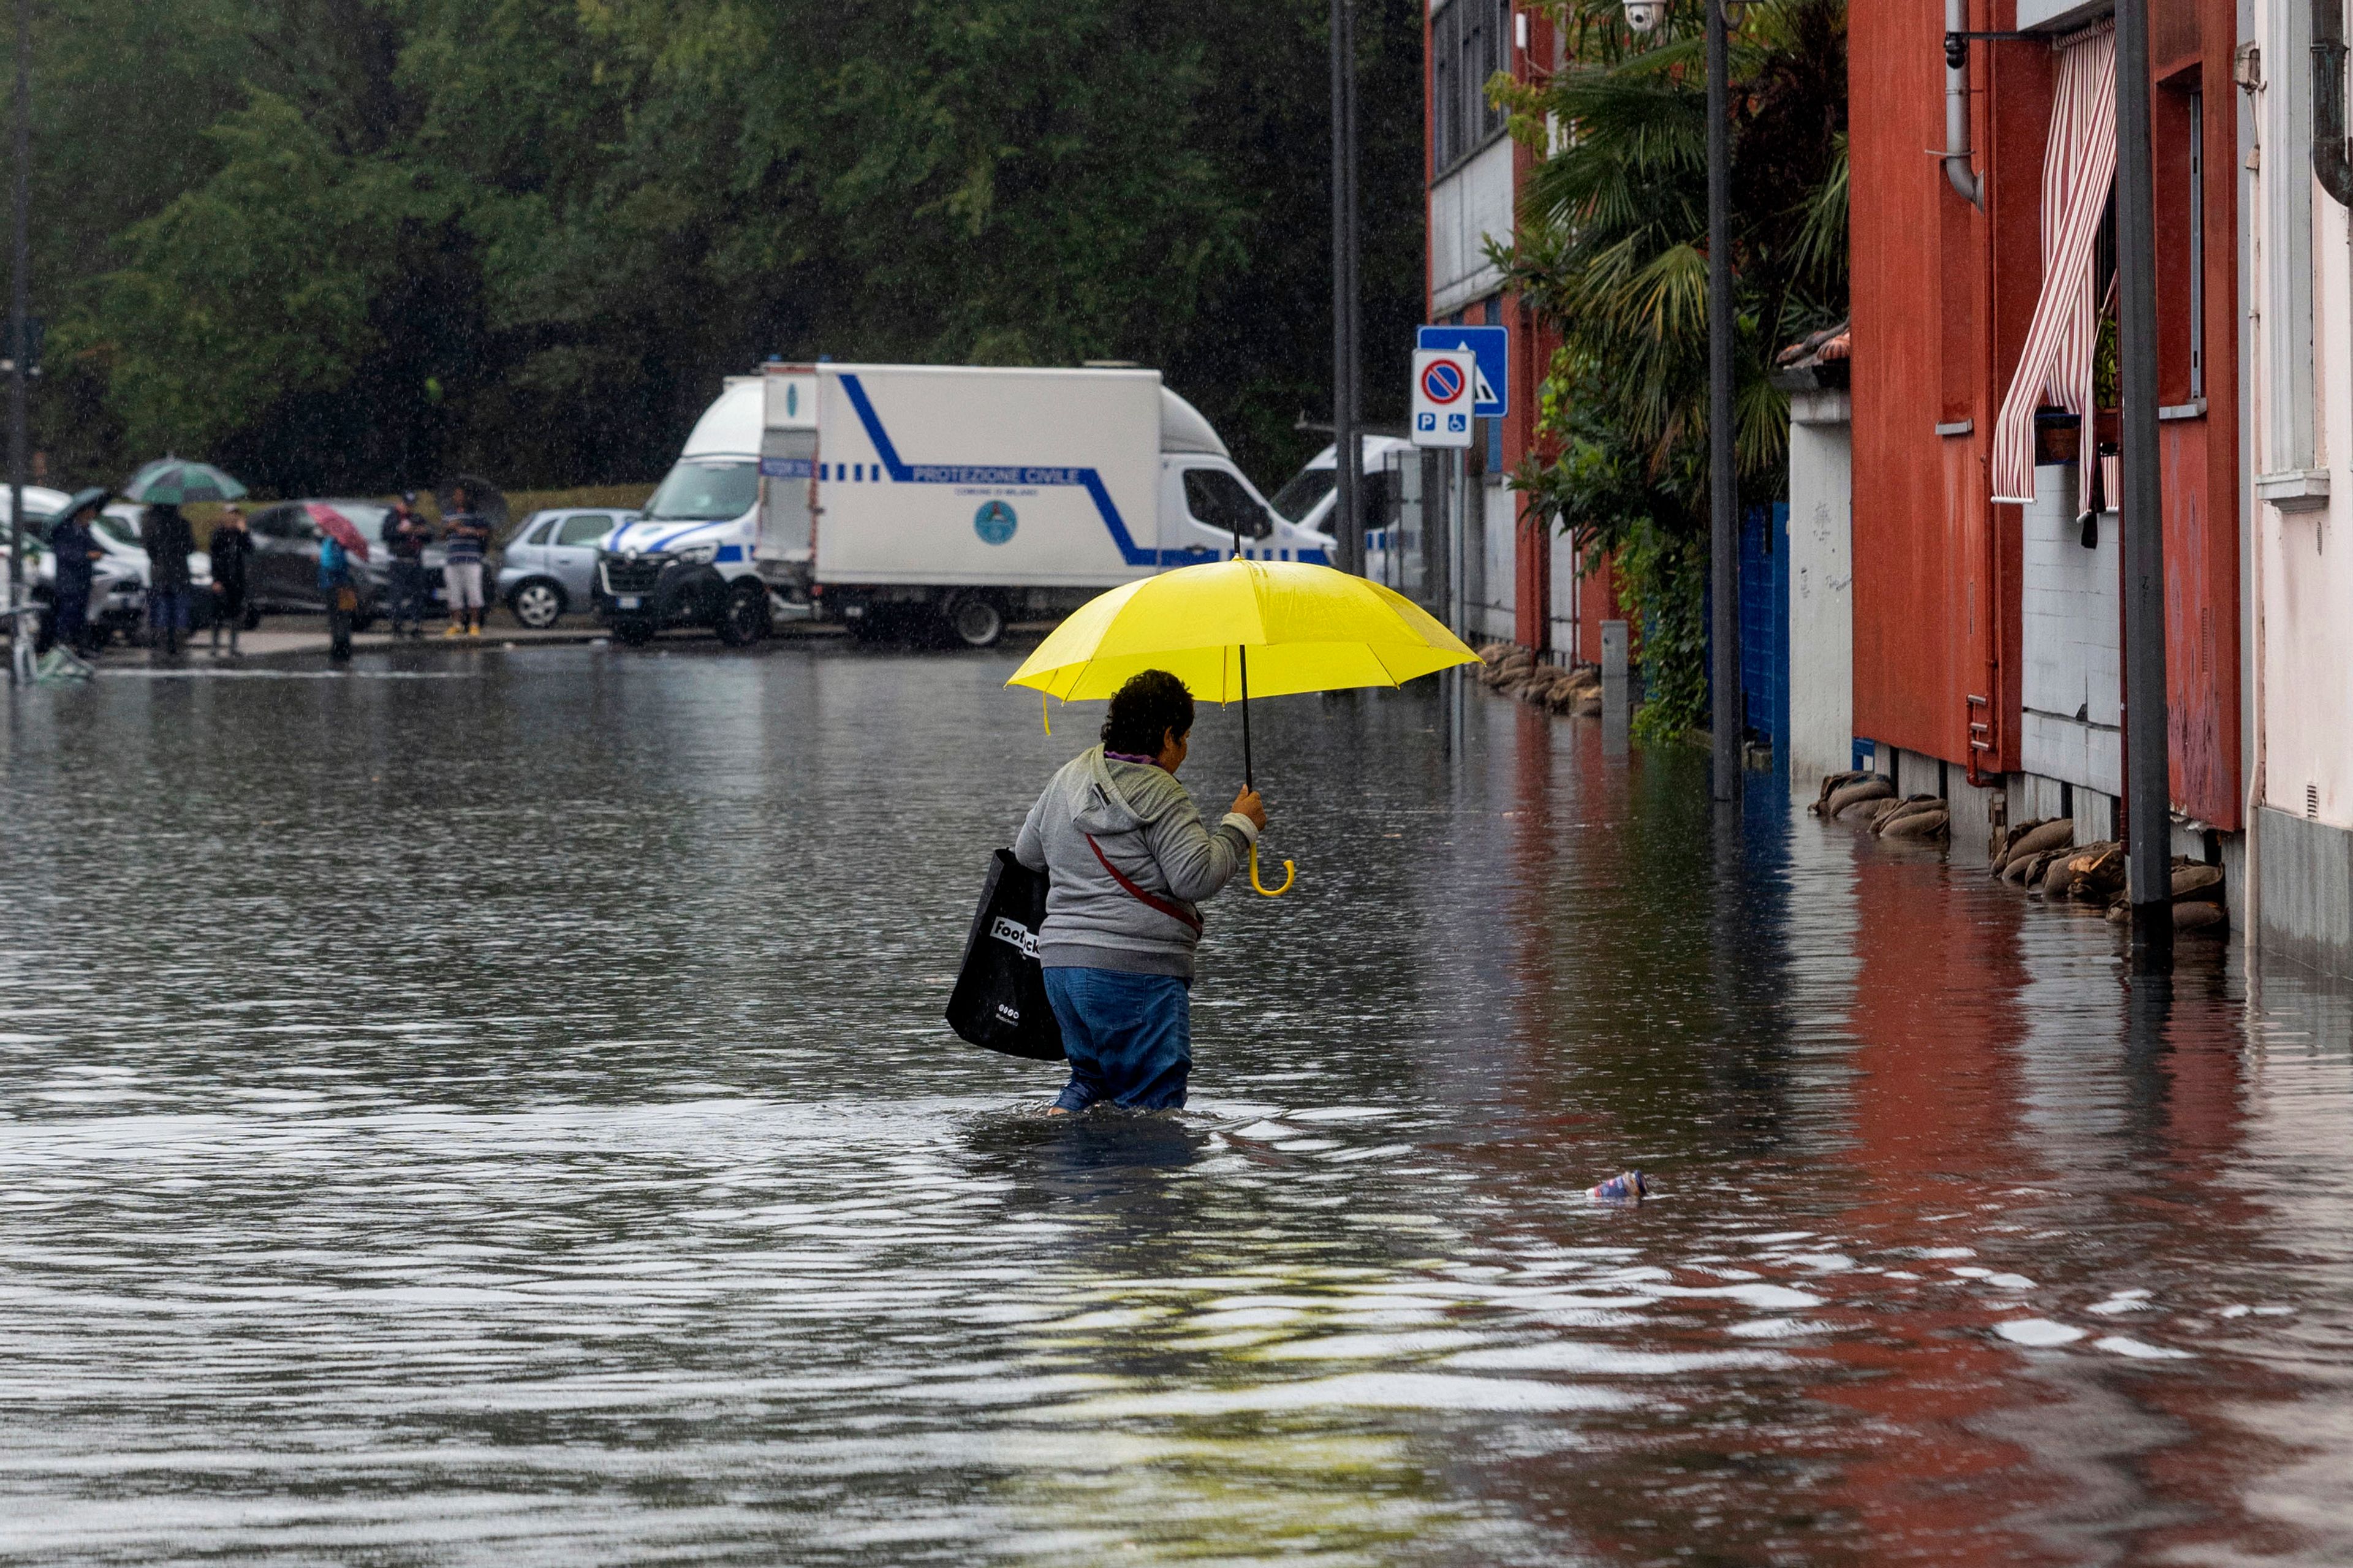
(174, 481)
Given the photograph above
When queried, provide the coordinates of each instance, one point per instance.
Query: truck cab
(1307, 501)
(1207, 504)
(691, 557)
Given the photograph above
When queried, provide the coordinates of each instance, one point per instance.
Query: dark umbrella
(337, 527)
(483, 499)
(174, 481)
(90, 499)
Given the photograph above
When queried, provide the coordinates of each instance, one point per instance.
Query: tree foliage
(354, 241)
(1612, 250)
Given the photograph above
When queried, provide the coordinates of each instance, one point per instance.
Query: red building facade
(1984, 630)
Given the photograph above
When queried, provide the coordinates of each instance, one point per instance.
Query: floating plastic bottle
(1627, 1185)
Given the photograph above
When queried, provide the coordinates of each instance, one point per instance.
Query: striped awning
(2078, 171)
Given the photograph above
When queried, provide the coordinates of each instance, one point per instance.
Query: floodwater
(492, 1110)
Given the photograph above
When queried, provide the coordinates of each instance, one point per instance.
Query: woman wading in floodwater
(1127, 858)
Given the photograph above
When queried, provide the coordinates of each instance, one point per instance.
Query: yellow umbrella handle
(1290, 875)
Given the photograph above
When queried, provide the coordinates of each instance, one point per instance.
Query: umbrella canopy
(483, 499)
(1237, 629)
(174, 481)
(90, 499)
(337, 527)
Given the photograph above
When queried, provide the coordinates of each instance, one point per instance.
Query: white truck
(931, 499)
(1391, 470)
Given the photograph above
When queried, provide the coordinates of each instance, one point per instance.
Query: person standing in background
(341, 594)
(405, 535)
(232, 546)
(77, 556)
(466, 536)
(164, 534)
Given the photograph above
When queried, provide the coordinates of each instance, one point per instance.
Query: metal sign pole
(1723, 537)
(19, 312)
(1347, 522)
(2149, 831)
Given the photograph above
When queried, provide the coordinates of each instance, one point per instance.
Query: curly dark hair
(1146, 711)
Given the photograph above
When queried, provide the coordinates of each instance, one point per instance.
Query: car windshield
(704, 489)
(1306, 491)
(119, 529)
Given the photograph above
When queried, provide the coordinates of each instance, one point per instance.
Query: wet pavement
(491, 1108)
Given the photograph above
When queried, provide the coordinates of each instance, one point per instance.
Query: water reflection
(503, 1118)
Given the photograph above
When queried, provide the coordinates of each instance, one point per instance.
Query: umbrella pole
(1247, 782)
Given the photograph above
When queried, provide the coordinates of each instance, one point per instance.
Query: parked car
(282, 575)
(551, 563)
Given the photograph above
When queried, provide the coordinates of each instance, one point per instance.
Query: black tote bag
(1000, 1000)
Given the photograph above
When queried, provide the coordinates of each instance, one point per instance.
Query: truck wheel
(975, 620)
(253, 617)
(634, 630)
(743, 619)
(537, 603)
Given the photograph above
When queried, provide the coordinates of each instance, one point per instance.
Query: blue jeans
(167, 610)
(1129, 1037)
(408, 595)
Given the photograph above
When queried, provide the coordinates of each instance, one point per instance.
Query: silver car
(551, 561)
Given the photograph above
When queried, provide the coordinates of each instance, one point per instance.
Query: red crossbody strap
(1192, 921)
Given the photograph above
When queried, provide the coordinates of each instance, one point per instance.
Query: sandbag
(2026, 870)
(2012, 834)
(2059, 833)
(1831, 784)
(1875, 787)
(2198, 884)
(2201, 917)
(1895, 811)
(2096, 872)
(1919, 824)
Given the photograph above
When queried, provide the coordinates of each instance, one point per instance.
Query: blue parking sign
(1492, 348)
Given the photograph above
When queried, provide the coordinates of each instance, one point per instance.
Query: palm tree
(1611, 251)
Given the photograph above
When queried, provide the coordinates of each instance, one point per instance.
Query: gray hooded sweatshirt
(1148, 828)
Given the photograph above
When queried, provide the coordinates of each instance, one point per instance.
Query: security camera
(1644, 15)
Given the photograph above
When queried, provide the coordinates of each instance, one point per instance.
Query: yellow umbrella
(1235, 627)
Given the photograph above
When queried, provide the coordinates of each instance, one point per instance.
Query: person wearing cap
(232, 547)
(405, 536)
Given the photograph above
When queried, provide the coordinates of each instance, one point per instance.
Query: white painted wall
(1497, 573)
(2303, 630)
(1822, 587)
(1465, 208)
(2069, 688)
(1564, 606)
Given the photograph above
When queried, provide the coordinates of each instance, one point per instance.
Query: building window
(1469, 41)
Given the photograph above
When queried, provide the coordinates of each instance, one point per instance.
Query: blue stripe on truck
(902, 472)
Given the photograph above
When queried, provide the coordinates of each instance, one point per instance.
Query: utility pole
(2148, 797)
(1347, 525)
(20, 334)
(1724, 481)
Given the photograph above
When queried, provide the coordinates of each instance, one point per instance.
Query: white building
(2298, 564)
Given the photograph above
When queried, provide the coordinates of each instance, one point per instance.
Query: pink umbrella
(338, 527)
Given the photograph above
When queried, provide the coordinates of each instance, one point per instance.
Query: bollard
(1614, 662)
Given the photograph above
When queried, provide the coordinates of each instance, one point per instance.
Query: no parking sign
(1442, 384)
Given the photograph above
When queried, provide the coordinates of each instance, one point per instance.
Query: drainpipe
(2330, 161)
(1957, 103)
